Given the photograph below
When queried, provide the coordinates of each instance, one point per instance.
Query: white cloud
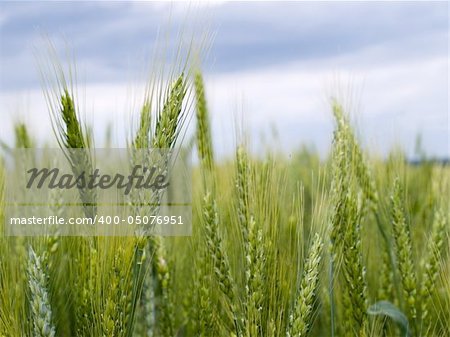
(397, 101)
(394, 102)
(392, 56)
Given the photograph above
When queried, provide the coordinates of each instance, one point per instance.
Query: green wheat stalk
(431, 263)
(354, 272)
(403, 250)
(221, 265)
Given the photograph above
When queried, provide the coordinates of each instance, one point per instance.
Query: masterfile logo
(141, 177)
(98, 192)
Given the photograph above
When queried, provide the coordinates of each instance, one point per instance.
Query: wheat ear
(203, 132)
(40, 304)
(170, 118)
(255, 279)
(23, 139)
(301, 318)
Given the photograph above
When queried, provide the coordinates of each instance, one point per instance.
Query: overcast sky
(272, 65)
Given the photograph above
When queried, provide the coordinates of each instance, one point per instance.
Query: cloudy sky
(271, 66)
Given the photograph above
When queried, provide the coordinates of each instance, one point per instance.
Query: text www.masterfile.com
(99, 219)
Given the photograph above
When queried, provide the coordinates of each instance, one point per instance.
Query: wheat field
(349, 245)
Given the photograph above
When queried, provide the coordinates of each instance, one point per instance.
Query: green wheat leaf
(386, 308)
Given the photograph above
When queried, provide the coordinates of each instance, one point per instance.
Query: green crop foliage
(358, 248)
